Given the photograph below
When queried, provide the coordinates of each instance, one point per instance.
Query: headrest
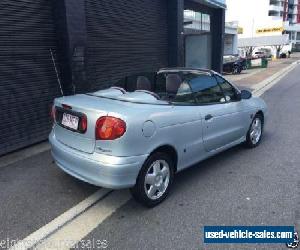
(143, 83)
(173, 82)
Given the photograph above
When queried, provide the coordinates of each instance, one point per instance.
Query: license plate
(70, 121)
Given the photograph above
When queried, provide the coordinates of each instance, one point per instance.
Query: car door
(188, 127)
(220, 126)
(235, 106)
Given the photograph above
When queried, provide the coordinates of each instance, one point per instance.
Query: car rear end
(83, 130)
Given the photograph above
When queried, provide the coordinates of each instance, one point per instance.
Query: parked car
(263, 53)
(173, 119)
(283, 55)
(232, 64)
(259, 54)
(244, 62)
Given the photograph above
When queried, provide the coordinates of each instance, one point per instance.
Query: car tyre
(255, 131)
(235, 70)
(154, 180)
(240, 70)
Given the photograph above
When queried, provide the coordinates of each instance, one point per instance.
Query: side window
(173, 88)
(206, 90)
(184, 94)
(229, 91)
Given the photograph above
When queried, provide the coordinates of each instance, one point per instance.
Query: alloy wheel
(256, 130)
(157, 179)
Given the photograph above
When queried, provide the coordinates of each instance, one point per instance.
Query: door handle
(208, 117)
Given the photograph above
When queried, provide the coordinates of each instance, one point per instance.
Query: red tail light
(109, 128)
(83, 124)
(53, 113)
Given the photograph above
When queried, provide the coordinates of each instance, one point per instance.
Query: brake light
(53, 113)
(83, 124)
(109, 128)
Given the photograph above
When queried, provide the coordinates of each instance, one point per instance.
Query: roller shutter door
(27, 78)
(125, 37)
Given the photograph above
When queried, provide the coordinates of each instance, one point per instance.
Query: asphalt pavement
(33, 192)
(238, 187)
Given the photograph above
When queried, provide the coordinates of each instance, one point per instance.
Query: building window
(197, 20)
(273, 13)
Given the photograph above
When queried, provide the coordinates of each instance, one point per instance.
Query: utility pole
(252, 27)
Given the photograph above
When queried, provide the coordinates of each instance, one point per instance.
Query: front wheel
(154, 180)
(255, 132)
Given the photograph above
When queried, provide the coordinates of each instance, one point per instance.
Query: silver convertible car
(141, 132)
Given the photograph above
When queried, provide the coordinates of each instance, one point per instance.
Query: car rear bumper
(97, 169)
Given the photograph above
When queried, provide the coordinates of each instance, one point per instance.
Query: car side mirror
(245, 94)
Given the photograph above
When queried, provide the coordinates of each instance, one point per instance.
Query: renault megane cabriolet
(141, 132)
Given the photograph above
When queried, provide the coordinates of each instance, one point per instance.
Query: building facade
(286, 13)
(197, 30)
(291, 19)
(85, 45)
(255, 17)
(258, 18)
(287, 10)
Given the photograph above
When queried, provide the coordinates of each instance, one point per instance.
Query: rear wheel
(255, 132)
(154, 180)
(240, 69)
(235, 70)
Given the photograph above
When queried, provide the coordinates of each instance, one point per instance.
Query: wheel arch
(261, 113)
(169, 150)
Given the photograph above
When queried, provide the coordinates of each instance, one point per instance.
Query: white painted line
(265, 85)
(81, 226)
(60, 221)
